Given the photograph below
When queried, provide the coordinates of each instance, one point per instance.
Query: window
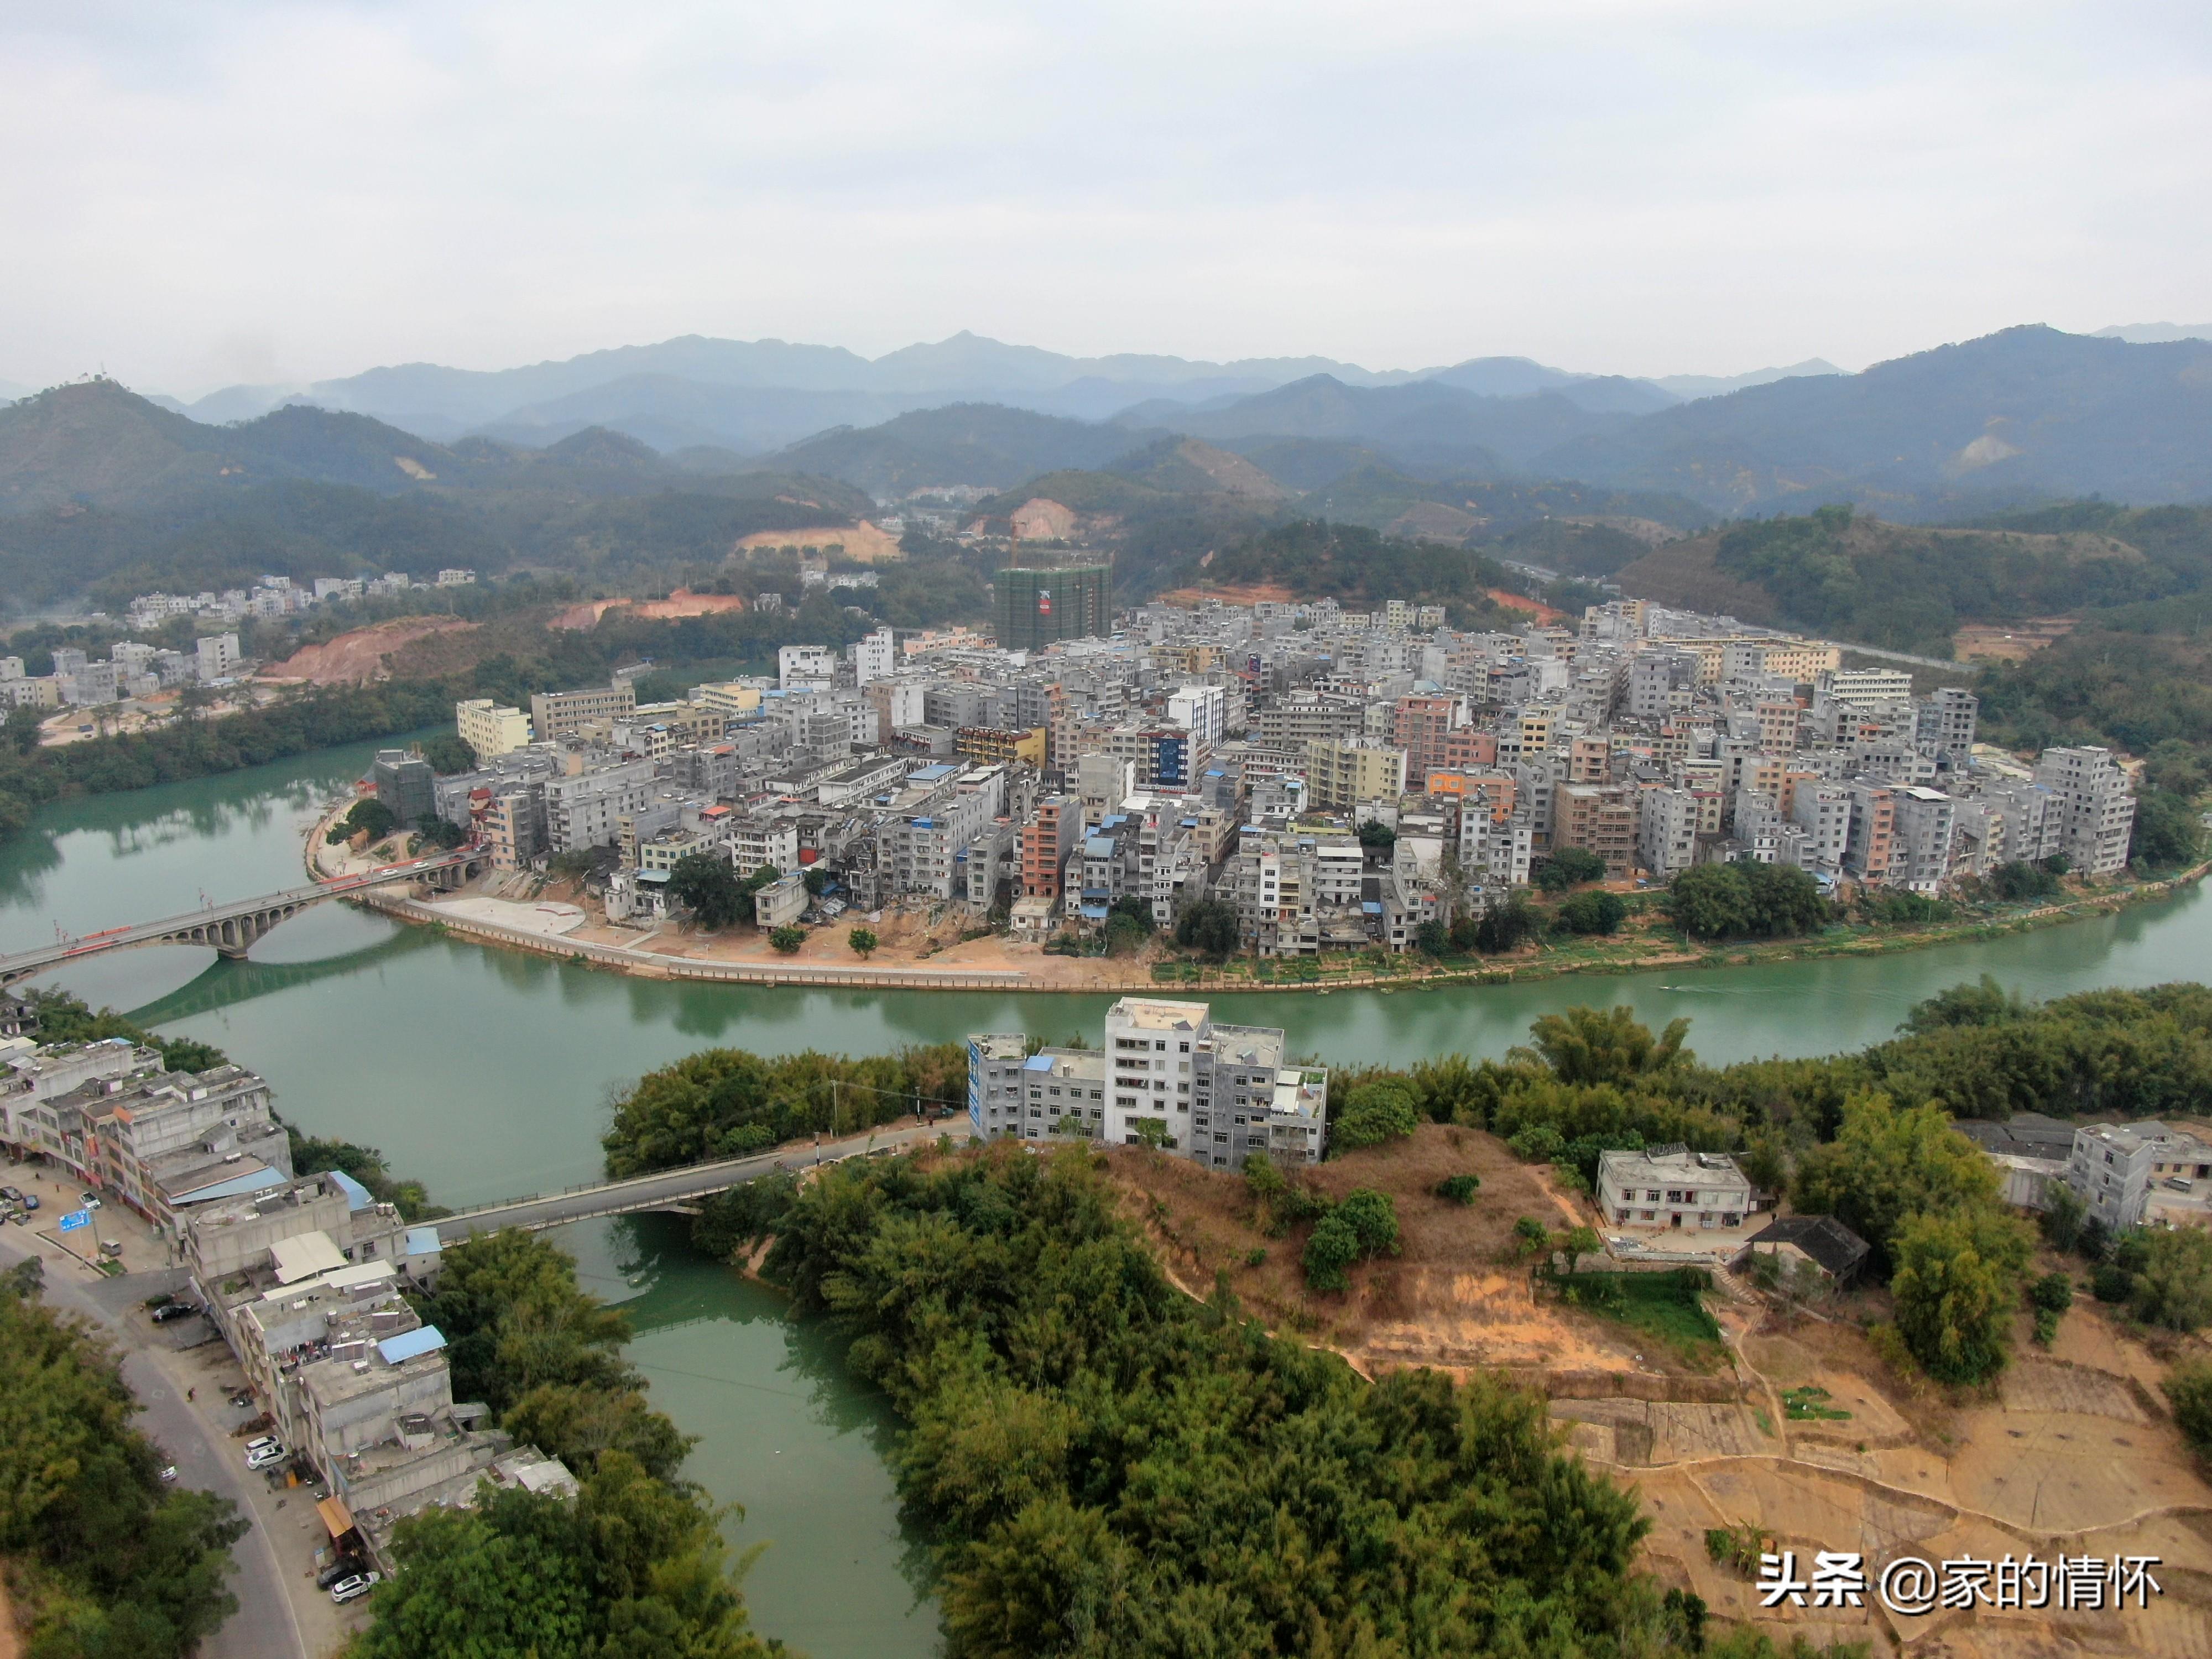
(1220, 1139)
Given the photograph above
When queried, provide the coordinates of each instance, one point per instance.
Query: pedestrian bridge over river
(679, 1190)
(233, 928)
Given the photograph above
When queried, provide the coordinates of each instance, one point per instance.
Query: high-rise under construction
(1032, 606)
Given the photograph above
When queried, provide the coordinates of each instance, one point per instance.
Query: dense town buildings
(1234, 754)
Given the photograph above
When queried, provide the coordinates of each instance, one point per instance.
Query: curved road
(264, 1625)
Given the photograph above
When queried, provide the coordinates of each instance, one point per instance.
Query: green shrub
(1385, 1109)
(2188, 1391)
(1459, 1189)
(1331, 1249)
(2053, 1293)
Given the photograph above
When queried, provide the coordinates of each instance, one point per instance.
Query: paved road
(168, 927)
(265, 1627)
(672, 1187)
(1901, 656)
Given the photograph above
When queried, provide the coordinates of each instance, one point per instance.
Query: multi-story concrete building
(2116, 1167)
(874, 656)
(406, 784)
(1925, 821)
(554, 715)
(797, 666)
(1602, 819)
(587, 810)
(1046, 842)
(1666, 831)
(2096, 804)
(1670, 1188)
(1199, 710)
(1342, 772)
(490, 730)
(1944, 724)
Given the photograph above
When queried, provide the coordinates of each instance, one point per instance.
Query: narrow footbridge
(679, 1190)
(233, 928)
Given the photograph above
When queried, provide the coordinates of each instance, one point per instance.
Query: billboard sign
(74, 1219)
(1044, 602)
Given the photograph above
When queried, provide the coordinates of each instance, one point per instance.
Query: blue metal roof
(408, 1345)
(1372, 907)
(423, 1241)
(358, 1197)
(236, 1186)
(1037, 1063)
(1094, 912)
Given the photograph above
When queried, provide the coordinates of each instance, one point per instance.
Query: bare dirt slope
(2072, 1452)
(863, 541)
(355, 657)
(1456, 1298)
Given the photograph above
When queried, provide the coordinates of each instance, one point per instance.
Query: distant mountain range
(2026, 415)
(2156, 333)
(758, 395)
(2022, 416)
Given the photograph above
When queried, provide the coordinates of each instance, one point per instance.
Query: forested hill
(1858, 578)
(95, 444)
(1313, 559)
(105, 493)
(2018, 417)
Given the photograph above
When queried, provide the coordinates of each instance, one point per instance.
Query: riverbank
(564, 931)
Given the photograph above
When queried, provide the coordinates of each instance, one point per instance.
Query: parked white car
(267, 1458)
(348, 1589)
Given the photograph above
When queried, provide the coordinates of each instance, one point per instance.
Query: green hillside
(1314, 558)
(104, 494)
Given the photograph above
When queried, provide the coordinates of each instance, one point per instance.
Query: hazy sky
(205, 192)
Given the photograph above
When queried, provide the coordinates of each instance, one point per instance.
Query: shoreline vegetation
(1020, 1316)
(1611, 954)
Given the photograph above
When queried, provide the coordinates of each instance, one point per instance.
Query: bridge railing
(767, 1161)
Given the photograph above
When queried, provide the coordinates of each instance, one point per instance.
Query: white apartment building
(1669, 1188)
(805, 665)
(1217, 1094)
(1666, 831)
(874, 656)
(1199, 710)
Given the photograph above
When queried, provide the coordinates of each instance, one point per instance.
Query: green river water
(489, 1073)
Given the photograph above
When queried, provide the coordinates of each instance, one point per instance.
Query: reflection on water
(784, 1429)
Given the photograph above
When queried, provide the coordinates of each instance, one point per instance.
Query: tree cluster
(725, 1102)
(1107, 1467)
(635, 1564)
(108, 1562)
(1747, 901)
